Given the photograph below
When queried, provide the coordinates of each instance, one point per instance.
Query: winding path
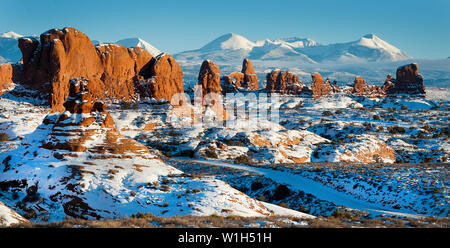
(317, 189)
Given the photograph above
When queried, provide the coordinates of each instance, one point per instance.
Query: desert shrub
(339, 111)
(211, 154)
(243, 159)
(404, 107)
(281, 192)
(327, 113)
(376, 117)
(256, 185)
(196, 190)
(4, 137)
(165, 188)
(283, 204)
(397, 129)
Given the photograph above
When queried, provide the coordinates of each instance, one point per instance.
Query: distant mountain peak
(139, 42)
(11, 34)
(370, 36)
(230, 41)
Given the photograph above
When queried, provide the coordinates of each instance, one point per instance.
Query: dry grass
(141, 220)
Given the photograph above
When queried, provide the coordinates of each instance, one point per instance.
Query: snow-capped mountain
(138, 42)
(235, 46)
(9, 51)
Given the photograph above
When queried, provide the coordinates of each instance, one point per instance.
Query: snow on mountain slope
(138, 42)
(8, 216)
(229, 42)
(9, 51)
(307, 51)
(367, 48)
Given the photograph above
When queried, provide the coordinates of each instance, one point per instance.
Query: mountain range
(230, 47)
(369, 48)
(9, 51)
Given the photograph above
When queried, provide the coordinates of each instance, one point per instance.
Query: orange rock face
(209, 78)
(61, 55)
(319, 87)
(283, 83)
(6, 76)
(163, 77)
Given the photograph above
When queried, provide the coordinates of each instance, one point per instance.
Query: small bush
(284, 205)
(281, 192)
(327, 113)
(4, 137)
(376, 117)
(243, 159)
(211, 154)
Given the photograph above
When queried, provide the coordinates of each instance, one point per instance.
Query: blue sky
(421, 28)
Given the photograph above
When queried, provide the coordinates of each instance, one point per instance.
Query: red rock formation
(359, 85)
(61, 55)
(6, 77)
(162, 78)
(209, 78)
(247, 67)
(87, 126)
(247, 79)
(408, 80)
(283, 83)
(319, 87)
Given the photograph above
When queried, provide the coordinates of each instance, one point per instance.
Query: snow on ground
(317, 189)
(8, 216)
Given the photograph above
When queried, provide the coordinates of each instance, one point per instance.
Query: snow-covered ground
(371, 135)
